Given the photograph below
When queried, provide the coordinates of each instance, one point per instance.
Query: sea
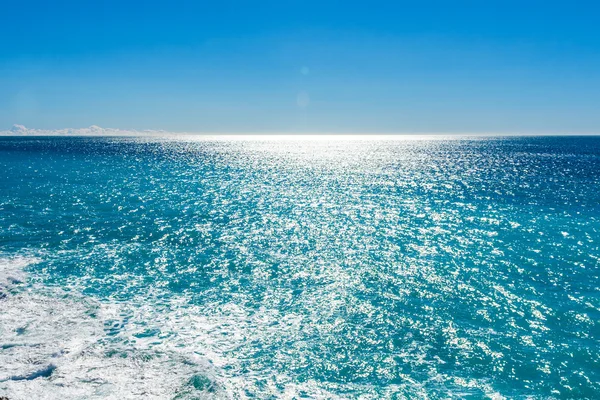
(300, 267)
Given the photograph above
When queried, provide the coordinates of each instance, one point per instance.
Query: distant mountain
(94, 130)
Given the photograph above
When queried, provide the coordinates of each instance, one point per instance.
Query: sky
(302, 66)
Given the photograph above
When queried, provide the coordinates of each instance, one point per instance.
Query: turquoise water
(300, 268)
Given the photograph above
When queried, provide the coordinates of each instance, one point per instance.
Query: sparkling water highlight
(299, 267)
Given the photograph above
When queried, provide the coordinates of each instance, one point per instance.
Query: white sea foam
(11, 272)
(60, 345)
(56, 343)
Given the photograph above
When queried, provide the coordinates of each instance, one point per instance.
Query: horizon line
(96, 131)
(297, 134)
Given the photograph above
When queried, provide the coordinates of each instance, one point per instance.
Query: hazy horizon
(95, 130)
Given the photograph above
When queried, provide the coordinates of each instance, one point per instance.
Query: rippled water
(299, 268)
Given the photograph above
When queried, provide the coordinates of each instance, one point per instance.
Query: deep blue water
(299, 268)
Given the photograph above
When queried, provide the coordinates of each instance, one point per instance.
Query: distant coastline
(97, 131)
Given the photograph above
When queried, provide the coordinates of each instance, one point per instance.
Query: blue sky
(302, 66)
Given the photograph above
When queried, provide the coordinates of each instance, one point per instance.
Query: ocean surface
(300, 267)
